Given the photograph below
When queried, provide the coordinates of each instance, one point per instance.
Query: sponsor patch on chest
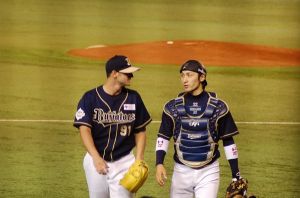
(129, 107)
(194, 136)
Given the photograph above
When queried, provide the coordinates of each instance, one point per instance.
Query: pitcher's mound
(208, 52)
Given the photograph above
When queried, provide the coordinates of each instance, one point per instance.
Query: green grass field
(39, 81)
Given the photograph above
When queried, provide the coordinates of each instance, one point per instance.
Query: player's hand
(100, 165)
(161, 174)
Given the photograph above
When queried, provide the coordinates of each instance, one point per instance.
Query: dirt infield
(209, 52)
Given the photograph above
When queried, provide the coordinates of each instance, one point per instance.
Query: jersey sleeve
(167, 125)
(142, 116)
(227, 126)
(83, 115)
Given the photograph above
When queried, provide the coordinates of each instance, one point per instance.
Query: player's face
(124, 78)
(190, 81)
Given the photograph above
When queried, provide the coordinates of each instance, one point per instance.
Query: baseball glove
(237, 189)
(136, 176)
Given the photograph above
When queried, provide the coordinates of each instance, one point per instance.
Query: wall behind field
(70, 24)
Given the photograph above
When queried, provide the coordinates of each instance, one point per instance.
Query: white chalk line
(154, 122)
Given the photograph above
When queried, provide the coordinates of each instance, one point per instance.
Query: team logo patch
(112, 117)
(160, 143)
(194, 123)
(128, 61)
(79, 114)
(234, 151)
(195, 109)
(129, 107)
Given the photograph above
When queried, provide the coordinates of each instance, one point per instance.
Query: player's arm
(162, 144)
(161, 150)
(88, 142)
(227, 129)
(140, 142)
(231, 154)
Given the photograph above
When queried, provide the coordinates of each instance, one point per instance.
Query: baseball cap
(193, 65)
(121, 64)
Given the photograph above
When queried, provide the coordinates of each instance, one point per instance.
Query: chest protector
(197, 136)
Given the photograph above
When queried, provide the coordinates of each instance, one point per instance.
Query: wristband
(231, 152)
(162, 144)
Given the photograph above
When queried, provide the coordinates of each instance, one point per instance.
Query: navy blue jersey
(113, 120)
(195, 106)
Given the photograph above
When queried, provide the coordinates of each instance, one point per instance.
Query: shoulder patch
(79, 114)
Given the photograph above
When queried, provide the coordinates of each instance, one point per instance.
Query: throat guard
(197, 136)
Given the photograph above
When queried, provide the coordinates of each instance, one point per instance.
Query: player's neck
(197, 91)
(111, 88)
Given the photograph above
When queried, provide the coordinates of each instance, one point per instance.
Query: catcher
(196, 120)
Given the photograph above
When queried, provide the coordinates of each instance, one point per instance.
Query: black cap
(193, 65)
(121, 64)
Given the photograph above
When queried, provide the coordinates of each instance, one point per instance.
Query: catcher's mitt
(136, 176)
(237, 189)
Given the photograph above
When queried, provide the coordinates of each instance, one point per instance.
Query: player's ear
(114, 74)
(202, 77)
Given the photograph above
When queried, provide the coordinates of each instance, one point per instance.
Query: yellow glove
(136, 176)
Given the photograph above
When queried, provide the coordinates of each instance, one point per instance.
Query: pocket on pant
(87, 161)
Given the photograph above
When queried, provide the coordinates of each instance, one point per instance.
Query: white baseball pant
(199, 183)
(107, 186)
